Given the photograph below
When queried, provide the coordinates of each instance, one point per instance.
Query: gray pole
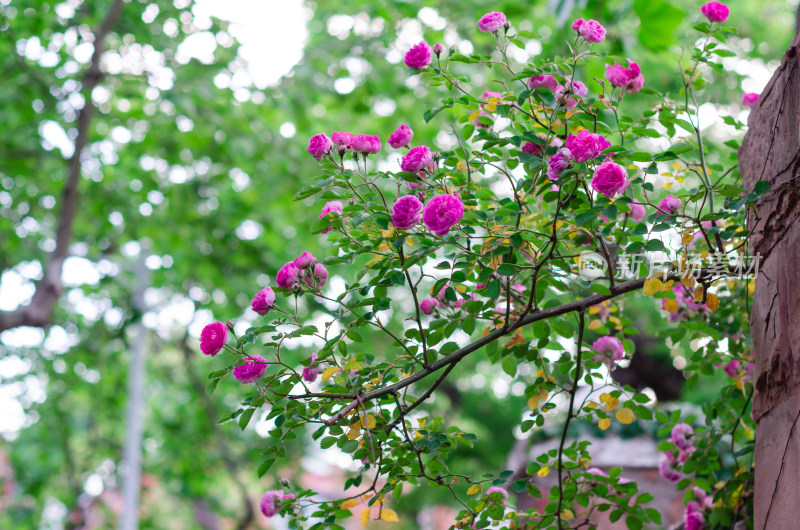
(133, 440)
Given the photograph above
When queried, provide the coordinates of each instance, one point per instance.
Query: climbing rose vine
(480, 251)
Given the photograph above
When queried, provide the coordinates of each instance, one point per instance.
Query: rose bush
(506, 215)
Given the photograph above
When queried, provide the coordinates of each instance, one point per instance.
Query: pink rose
(442, 294)
(543, 81)
(406, 212)
(586, 145)
(442, 212)
(367, 143)
(304, 260)
(532, 148)
(251, 371)
(630, 77)
(556, 165)
(637, 212)
(693, 517)
(609, 178)
(213, 338)
(498, 489)
(417, 159)
(287, 276)
(668, 472)
(681, 437)
(437, 49)
(609, 349)
(419, 56)
(319, 145)
(749, 99)
(401, 137)
(732, 368)
(263, 301)
(343, 138)
(271, 502)
(669, 205)
(318, 277)
(428, 305)
(576, 25)
(311, 371)
(491, 22)
(330, 207)
(715, 11)
(591, 30)
(565, 94)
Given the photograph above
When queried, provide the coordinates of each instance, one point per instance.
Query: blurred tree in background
(122, 142)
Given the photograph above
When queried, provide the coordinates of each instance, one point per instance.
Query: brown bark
(771, 151)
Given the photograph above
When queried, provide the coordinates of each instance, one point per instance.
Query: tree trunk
(771, 151)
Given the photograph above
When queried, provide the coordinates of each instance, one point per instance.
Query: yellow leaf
(676, 166)
(567, 514)
(544, 471)
(543, 393)
(461, 289)
(371, 421)
(712, 301)
(354, 432)
(671, 305)
(474, 115)
(625, 416)
(390, 516)
(352, 365)
(474, 489)
(688, 281)
(533, 402)
(327, 374)
(365, 516)
(492, 105)
(594, 324)
(410, 242)
(461, 166)
(604, 424)
(653, 286)
(591, 405)
(698, 295)
(386, 234)
(346, 505)
(667, 185)
(687, 238)
(612, 403)
(604, 397)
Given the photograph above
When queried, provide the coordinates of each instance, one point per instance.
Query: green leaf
(244, 419)
(658, 21)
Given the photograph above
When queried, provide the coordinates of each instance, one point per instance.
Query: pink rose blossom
(732, 368)
(287, 276)
(576, 25)
(681, 436)
(271, 502)
(251, 371)
(318, 278)
(668, 472)
(319, 145)
(367, 143)
(749, 99)
(669, 205)
(565, 94)
(417, 159)
(597, 472)
(543, 81)
(343, 138)
(491, 22)
(609, 178)
(401, 137)
(213, 338)
(637, 212)
(498, 489)
(263, 301)
(749, 370)
(557, 164)
(715, 11)
(586, 145)
(304, 260)
(428, 305)
(406, 212)
(442, 212)
(532, 148)
(311, 371)
(591, 30)
(331, 207)
(693, 516)
(461, 301)
(630, 77)
(419, 56)
(609, 349)
(437, 49)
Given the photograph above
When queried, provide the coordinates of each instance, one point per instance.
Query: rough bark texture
(771, 151)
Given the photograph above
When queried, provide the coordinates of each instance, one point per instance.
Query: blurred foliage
(178, 187)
